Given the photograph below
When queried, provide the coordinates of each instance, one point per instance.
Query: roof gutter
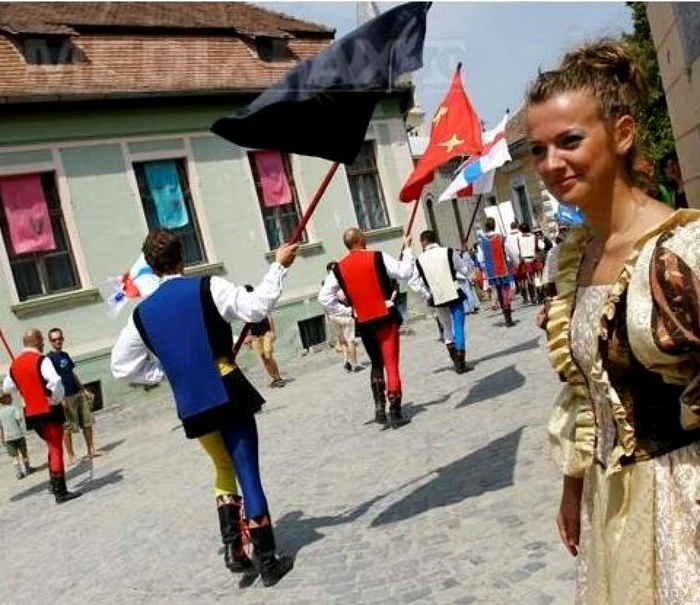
(404, 93)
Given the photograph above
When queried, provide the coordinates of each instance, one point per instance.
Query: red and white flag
(476, 175)
(139, 282)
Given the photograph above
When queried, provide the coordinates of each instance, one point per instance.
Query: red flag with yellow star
(455, 132)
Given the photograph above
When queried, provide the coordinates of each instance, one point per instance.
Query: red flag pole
(296, 236)
(6, 345)
(409, 227)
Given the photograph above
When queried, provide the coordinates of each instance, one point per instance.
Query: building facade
(675, 27)
(104, 125)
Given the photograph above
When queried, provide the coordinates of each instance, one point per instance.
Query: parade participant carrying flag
(365, 277)
(322, 108)
(499, 264)
(435, 278)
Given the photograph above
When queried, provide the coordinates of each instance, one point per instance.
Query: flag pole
(6, 345)
(299, 231)
(476, 211)
(296, 236)
(409, 227)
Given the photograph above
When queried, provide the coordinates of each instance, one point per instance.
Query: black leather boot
(508, 314)
(461, 365)
(230, 522)
(451, 351)
(378, 392)
(272, 568)
(396, 418)
(60, 491)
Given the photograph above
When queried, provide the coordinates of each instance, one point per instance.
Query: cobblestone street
(456, 507)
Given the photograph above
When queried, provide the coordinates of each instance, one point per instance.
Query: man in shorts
(78, 401)
(261, 339)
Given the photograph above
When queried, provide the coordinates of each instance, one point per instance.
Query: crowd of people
(620, 300)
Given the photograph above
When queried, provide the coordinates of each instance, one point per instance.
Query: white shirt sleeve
(416, 283)
(402, 269)
(328, 297)
(462, 263)
(53, 381)
(131, 359)
(234, 302)
(8, 385)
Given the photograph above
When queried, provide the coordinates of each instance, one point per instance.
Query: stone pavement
(456, 507)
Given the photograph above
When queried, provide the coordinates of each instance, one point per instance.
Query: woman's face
(672, 170)
(575, 152)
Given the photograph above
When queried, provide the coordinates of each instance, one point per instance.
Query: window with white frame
(167, 203)
(366, 190)
(277, 195)
(35, 236)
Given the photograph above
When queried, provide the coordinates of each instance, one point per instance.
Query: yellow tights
(225, 474)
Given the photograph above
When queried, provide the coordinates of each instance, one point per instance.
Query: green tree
(654, 126)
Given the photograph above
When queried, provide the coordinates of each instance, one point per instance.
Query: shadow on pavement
(499, 383)
(87, 484)
(294, 531)
(108, 447)
(411, 409)
(485, 470)
(528, 345)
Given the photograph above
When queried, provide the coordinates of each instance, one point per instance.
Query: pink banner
(273, 179)
(27, 214)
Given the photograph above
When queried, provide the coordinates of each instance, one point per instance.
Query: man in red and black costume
(365, 276)
(33, 375)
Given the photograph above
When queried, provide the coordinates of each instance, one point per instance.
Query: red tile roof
(133, 48)
(243, 17)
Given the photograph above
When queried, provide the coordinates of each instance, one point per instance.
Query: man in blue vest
(182, 332)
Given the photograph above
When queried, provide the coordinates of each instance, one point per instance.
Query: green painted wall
(109, 218)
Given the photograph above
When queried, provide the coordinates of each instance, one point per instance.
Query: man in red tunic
(365, 276)
(33, 375)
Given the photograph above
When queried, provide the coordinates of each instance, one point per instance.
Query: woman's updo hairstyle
(610, 70)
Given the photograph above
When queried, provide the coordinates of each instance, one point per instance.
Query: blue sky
(501, 44)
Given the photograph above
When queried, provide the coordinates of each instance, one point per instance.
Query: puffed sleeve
(674, 281)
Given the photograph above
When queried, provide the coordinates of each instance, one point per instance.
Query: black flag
(324, 105)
